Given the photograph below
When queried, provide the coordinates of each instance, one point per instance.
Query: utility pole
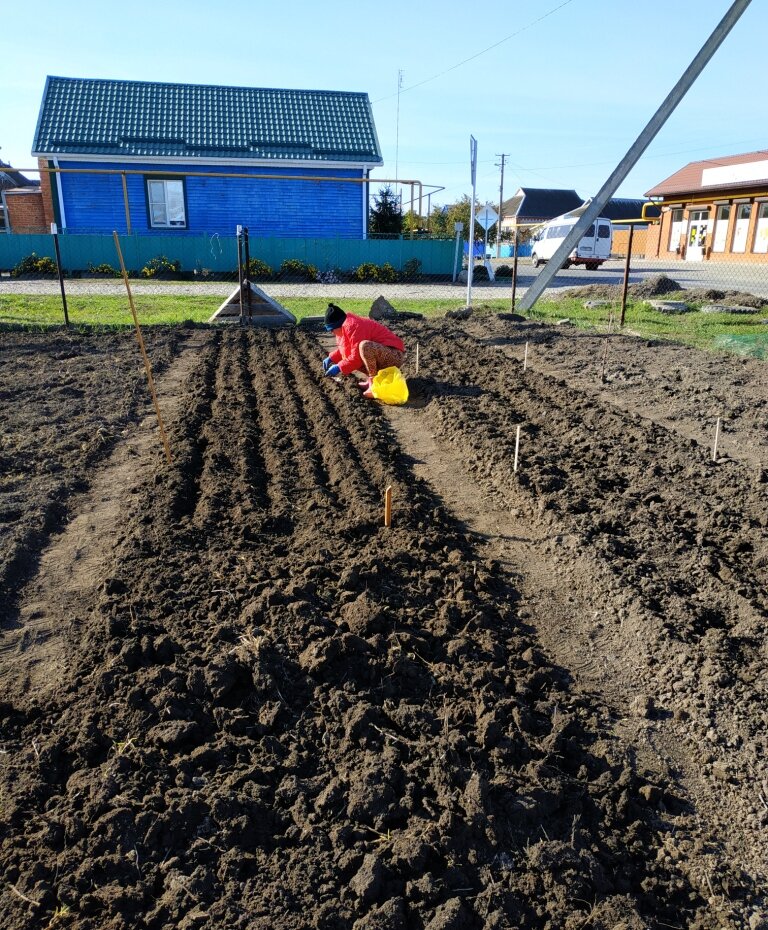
(501, 199)
(397, 132)
(637, 148)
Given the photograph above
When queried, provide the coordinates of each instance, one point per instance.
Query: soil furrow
(325, 723)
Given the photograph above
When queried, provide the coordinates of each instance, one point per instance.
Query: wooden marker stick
(525, 357)
(605, 357)
(140, 339)
(517, 447)
(388, 506)
(717, 437)
(417, 358)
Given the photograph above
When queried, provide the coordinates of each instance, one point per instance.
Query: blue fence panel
(217, 253)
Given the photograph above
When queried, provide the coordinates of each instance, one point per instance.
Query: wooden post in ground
(140, 338)
(514, 273)
(388, 506)
(625, 283)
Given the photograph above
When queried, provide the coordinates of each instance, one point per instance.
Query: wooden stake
(388, 506)
(717, 437)
(417, 358)
(605, 356)
(140, 339)
(517, 447)
(525, 357)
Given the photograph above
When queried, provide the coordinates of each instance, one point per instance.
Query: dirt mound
(655, 286)
(273, 712)
(735, 298)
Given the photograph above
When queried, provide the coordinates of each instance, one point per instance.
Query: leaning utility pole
(633, 155)
(501, 198)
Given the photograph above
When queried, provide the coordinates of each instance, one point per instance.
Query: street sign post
(486, 218)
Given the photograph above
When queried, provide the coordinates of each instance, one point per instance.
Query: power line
(478, 54)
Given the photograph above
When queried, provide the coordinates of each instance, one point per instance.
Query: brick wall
(25, 211)
(621, 240)
(46, 179)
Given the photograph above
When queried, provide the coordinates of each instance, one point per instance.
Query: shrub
(480, 273)
(412, 269)
(104, 269)
(387, 273)
(504, 271)
(295, 268)
(368, 271)
(160, 265)
(259, 270)
(33, 265)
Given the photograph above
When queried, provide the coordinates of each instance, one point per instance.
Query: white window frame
(160, 186)
(761, 229)
(676, 229)
(720, 238)
(741, 227)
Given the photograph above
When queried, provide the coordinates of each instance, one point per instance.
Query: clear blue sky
(562, 87)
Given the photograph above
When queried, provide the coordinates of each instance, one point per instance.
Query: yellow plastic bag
(390, 387)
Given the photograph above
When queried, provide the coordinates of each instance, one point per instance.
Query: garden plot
(268, 710)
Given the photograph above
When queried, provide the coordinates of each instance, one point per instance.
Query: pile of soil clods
(283, 715)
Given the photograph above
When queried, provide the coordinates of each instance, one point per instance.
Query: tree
(451, 214)
(386, 217)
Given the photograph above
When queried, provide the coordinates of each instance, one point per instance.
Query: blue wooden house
(145, 157)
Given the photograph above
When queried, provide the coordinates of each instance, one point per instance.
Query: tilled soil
(536, 701)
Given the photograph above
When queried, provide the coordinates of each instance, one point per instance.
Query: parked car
(593, 249)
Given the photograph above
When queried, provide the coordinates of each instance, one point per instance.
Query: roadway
(743, 276)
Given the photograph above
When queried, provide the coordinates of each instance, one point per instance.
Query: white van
(593, 249)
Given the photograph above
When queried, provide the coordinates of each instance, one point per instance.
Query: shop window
(743, 213)
(721, 228)
(761, 231)
(676, 230)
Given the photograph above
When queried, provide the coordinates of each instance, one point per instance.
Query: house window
(166, 204)
(743, 213)
(676, 230)
(721, 228)
(761, 233)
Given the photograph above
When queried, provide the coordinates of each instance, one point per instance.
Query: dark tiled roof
(622, 208)
(148, 119)
(533, 203)
(691, 179)
(10, 178)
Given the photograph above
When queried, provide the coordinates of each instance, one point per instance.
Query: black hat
(334, 317)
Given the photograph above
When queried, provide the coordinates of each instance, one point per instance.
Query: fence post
(55, 234)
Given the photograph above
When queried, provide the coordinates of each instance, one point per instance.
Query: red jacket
(354, 330)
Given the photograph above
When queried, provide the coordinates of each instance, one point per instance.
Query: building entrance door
(698, 236)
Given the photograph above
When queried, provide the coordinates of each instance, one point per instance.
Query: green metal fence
(219, 254)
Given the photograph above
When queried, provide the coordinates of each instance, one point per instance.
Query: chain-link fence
(713, 255)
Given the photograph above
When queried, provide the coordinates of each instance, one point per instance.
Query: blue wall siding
(282, 208)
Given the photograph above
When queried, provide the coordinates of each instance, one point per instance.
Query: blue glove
(327, 363)
(333, 371)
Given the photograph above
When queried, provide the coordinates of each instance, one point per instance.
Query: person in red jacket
(362, 344)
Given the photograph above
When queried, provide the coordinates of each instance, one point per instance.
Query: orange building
(713, 210)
